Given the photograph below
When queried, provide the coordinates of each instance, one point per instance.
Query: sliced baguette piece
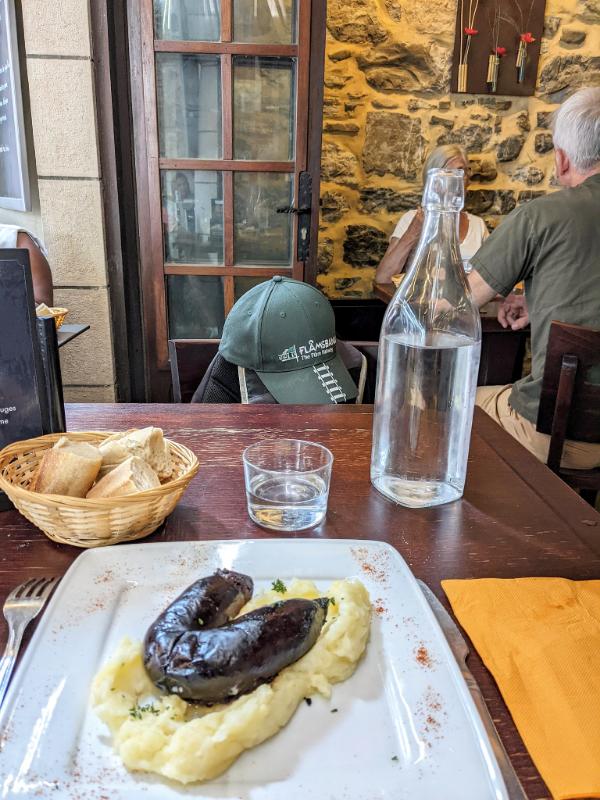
(133, 475)
(69, 468)
(146, 443)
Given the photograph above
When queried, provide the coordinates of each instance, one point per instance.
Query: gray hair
(440, 156)
(576, 128)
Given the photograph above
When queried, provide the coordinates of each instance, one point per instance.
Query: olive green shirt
(553, 245)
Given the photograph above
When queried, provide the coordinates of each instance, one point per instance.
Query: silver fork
(22, 605)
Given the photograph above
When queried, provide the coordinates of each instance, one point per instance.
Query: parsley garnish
(332, 600)
(279, 586)
(200, 621)
(137, 711)
(334, 710)
(394, 758)
(308, 701)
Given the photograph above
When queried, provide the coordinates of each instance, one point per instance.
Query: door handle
(303, 211)
(293, 210)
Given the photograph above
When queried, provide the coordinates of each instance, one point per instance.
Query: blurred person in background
(11, 237)
(406, 235)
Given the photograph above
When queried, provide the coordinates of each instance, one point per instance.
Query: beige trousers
(494, 401)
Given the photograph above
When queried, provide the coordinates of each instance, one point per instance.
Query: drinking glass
(287, 483)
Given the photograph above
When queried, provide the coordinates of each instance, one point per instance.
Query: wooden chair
(370, 351)
(502, 353)
(189, 359)
(569, 403)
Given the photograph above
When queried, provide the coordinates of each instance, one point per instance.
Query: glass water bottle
(428, 361)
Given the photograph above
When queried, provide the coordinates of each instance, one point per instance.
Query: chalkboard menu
(31, 401)
(14, 180)
(24, 411)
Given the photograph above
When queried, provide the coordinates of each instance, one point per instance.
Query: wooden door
(220, 102)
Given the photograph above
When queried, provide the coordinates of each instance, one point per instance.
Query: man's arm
(506, 258)
(481, 291)
(41, 275)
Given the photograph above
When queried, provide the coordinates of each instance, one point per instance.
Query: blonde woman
(472, 229)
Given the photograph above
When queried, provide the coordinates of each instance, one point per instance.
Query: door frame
(147, 164)
(108, 23)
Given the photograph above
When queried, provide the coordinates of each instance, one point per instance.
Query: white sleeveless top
(475, 237)
(10, 233)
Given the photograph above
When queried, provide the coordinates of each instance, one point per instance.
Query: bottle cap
(444, 190)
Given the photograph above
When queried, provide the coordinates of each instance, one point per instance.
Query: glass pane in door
(196, 306)
(192, 216)
(243, 285)
(264, 21)
(187, 20)
(188, 91)
(260, 234)
(263, 108)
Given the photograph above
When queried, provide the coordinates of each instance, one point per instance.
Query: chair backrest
(570, 401)
(356, 364)
(189, 360)
(370, 351)
(219, 384)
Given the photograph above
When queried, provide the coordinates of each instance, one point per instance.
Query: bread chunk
(69, 468)
(133, 475)
(145, 443)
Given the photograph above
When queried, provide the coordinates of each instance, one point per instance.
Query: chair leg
(589, 495)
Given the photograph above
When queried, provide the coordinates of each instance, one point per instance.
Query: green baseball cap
(284, 330)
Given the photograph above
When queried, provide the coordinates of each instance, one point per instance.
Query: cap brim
(328, 382)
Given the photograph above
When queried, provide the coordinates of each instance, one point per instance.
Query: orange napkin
(540, 639)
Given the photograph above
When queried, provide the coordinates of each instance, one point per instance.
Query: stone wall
(387, 102)
(56, 42)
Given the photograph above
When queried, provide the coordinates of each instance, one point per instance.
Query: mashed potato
(165, 734)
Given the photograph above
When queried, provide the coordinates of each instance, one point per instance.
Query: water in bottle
(428, 361)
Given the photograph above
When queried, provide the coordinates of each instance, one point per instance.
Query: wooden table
(67, 332)
(516, 518)
(502, 349)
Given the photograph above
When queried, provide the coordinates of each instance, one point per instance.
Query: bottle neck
(434, 297)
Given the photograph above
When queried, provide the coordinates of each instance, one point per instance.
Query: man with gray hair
(553, 245)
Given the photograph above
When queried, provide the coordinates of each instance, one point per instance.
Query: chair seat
(581, 478)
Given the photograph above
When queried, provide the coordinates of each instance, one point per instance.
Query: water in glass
(287, 483)
(287, 502)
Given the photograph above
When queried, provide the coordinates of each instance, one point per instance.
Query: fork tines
(32, 589)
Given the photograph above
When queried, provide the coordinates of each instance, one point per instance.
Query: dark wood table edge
(488, 312)
(568, 505)
(66, 333)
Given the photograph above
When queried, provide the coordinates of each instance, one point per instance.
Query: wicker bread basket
(90, 523)
(58, 314)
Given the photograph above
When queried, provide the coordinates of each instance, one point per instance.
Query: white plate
(404, 729)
